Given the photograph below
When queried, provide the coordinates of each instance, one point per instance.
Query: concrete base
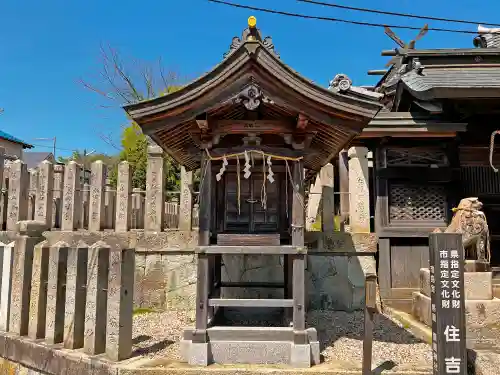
(482, 319)
(477, 285)
(251, 345)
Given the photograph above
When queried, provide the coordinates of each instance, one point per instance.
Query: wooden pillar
(203, 281)
(298, 267)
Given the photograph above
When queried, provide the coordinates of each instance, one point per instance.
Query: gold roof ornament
(252, 22)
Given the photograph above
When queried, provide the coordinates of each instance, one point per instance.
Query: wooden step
(234, 302)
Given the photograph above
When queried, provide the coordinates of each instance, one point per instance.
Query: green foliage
(316, 226)
(135, 151)
(86, 161)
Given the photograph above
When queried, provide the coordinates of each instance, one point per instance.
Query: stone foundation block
(198, 354)
(482, 318)
(315, 353)
(252, 345)
(301, 356)
(477, 285)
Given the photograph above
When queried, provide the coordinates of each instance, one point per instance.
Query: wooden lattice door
(253, 215)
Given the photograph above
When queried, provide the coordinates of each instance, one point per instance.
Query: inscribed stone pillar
(95, 309)
(120, 304)
(137, 209)
(109, 205)
(123, 197)
(56, 292)
(45, 193)
(70, 212)
(186, 204)
(30, 233)
(328, 208)
(32, 193)
(38, 298)
(74, 319)
(17, 208)
(359, 200)
(58, 194)
(313, 202)
(5, 194)
(155, 194)
(96, 207)
(5, 291)
(344, 183)
(85, 212)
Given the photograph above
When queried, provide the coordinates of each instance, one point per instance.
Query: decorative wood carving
(250, 96)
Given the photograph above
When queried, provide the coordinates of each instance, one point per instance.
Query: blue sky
(47, 46)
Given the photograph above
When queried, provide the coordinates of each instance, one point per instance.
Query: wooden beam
(202, 124)
(302, 122)
(250, 126)
(263, 250)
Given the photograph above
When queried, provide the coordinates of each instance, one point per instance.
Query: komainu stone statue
(470, 221)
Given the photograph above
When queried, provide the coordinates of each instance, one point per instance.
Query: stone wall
(165, 276)
(8, 368)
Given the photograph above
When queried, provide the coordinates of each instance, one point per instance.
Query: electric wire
(397, 14)
(332, 19)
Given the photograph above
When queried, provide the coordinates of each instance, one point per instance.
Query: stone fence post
(186, 201)
(17, 208)
(123, 197)
(359, 200)
(155, 191)
(327, 198)
(45, 193)
(58, 194)
(97, 204)
(71, 193)
(30, 233)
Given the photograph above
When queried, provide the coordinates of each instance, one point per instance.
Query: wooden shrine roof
(252, 78)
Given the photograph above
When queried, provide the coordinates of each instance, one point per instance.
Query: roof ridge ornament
(341, 82)
(487, 38)
(251, 34)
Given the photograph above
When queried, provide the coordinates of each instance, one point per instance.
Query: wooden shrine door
(253, 217)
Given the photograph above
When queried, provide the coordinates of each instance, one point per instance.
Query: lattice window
(417, 202)
(418, 157)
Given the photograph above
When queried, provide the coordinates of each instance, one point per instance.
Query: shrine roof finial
(251, 34)
(252, 22)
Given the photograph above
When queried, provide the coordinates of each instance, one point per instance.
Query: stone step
(478, 285)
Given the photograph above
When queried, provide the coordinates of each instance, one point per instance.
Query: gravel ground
(157, 335)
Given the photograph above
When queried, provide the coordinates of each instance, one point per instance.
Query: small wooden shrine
(254, 126)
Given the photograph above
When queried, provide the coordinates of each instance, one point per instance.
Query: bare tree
(121, 84)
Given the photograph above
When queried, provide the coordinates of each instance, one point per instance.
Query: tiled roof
(441, 82)
(11, 138)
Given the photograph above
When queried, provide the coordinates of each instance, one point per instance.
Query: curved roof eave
(246, 53)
